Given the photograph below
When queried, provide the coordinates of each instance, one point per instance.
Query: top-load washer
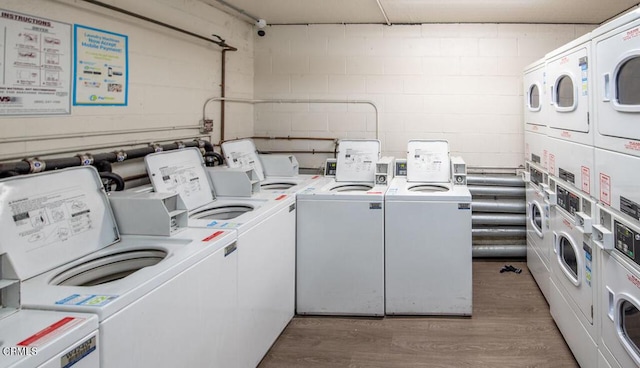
(616, 105)
(427, 235)
(277, 173)
(266, 244)
(618, 240)
(574, 272)
(570, 130)
(539, 238)
(340, 237)
(535, 110)
(62, 242)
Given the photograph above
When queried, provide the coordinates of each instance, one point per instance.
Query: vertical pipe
(222, 88)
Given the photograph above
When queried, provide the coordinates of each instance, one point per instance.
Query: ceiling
(424, 11)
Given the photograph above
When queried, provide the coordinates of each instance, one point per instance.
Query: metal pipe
(289, 138)
(223, 87)
(220, 43)
(94, 134)
(319, 101)
(500, 206)
(384, 13)
(505, 181)
(312, 152)
(91, 147)
(518, 231)
(499, 251)
(238, 10)
(506, 219)
(496, 191)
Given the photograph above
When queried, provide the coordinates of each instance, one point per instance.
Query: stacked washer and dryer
(592, 193)
(616, 108)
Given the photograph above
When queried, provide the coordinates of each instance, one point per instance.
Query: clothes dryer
(539, 238)
(574, 275)
(427, 237)
(340, 238)
(617, 86)
(266, 242)
(535, 110)
(570, 151)
(62, 242)
(618, 240)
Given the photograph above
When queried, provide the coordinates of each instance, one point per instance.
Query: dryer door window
(628, 82)
(534, 98)
(536, 218)
(629, 328)
(568, 255)
(565, 98)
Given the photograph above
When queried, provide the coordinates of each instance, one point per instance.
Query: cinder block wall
(459, 82)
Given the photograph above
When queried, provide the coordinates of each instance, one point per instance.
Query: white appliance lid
(52, 218)
(357, 159)
(428, 161)
(181, 171)
(243, 154)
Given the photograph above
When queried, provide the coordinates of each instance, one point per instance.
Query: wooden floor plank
(510, 327)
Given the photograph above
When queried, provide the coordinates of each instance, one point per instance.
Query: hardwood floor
(511, 327)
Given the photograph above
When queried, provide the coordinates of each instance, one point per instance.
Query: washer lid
(181, 171)
(243, 154)
(357, 159)
(428, 161)
(52, 218)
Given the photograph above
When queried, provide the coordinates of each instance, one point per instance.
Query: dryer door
(534, 94)
(617, 83)
(627, 323)
(574, 258)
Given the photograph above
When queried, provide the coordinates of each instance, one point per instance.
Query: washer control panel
(568, 201)
(401, 167)
(625, 240)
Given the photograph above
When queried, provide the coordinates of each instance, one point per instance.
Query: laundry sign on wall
(35, 65)
(101, 67)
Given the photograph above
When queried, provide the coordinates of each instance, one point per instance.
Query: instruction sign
(35, 65)
(101, 67)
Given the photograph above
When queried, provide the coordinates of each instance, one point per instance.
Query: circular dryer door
(568, 258)
(227, 212)
(352, 188)
(627, 322)
(428, 188)
(536, 217)
(109, 268)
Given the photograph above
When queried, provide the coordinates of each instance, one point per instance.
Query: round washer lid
(54, 217)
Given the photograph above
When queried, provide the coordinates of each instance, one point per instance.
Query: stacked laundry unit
(536, 175)
(616, 112)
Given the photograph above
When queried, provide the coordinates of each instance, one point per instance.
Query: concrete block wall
(170, 77)
(460, 82)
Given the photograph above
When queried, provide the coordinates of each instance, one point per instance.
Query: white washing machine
(427, 237)
(616, 105)
(574, 276)
(570, 127)
(266, 242)
(618, 240)
(277, 173)
(535, 110)
(62, 242)
(539, 237)
(44, 339)
(340, 238)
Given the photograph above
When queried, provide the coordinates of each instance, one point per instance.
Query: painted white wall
(460, 82)
(170, 77)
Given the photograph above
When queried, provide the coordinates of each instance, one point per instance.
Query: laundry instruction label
(586, 179)
(89, 300)
(552, 163)
(223, 224)
(584, 69)
(359, 161)
(587, 263)
(605, 189)
(184, 179)
(51, 217)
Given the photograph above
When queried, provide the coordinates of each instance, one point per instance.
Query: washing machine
(539, 239)
(340, 237)
(151, 294)
(616, 238)
(266, 227)
(277, 173)
(571, 156)
(44, 339)
(535, 110)
(574, 276)
(427, 236)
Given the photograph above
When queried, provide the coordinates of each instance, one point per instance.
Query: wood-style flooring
(510, 327)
